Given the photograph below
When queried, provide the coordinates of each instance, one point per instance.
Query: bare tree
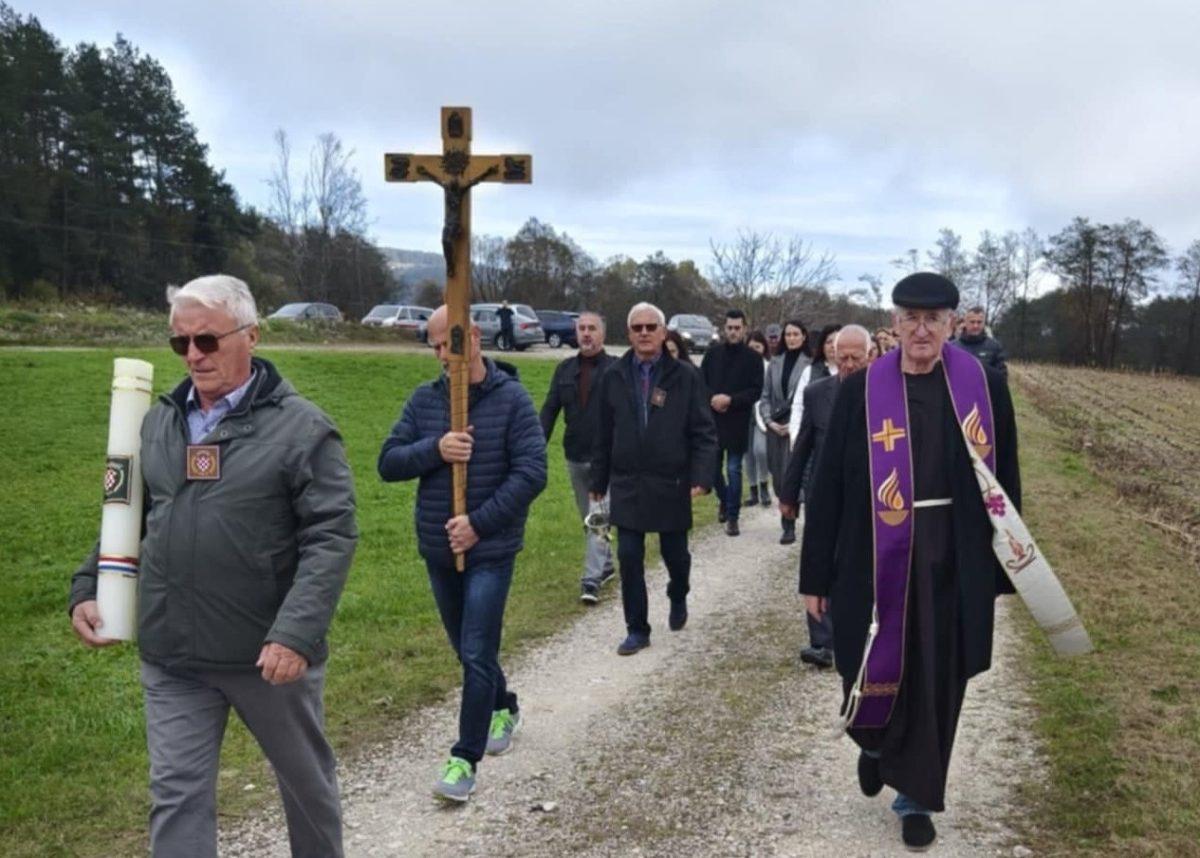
(1029, 262)
(800, 268)
(334, 188)
(949, 259)
(489, 267)
(994, 276)
(871, 292)
(745, 267)
(909, 261)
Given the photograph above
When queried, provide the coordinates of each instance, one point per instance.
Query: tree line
(106, 192)
(1100, 294)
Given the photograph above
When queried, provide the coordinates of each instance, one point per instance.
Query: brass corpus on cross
(456, 171)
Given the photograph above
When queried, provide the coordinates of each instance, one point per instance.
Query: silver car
(697, 331)
(401, 316)
(527, 330)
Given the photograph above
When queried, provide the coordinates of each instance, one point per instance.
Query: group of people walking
(241, 573)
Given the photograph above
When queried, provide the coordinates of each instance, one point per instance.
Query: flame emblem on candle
(973, 428)
(890, 496)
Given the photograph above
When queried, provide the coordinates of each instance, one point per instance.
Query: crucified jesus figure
(454, 192)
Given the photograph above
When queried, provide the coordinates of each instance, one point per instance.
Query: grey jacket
(260, 554)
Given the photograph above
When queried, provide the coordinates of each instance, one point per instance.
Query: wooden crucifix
(456, 171)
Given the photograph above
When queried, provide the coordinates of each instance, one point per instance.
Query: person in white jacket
(822, 365)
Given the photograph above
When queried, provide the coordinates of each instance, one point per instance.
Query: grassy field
(99, 325)
(72, 746)
(1121, 726)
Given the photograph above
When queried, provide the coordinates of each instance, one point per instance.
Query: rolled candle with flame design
(973, 427)
(889, 492)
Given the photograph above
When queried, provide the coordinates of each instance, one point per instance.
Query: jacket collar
(268, 386)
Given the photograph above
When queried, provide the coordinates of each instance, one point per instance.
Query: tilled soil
(715, 741)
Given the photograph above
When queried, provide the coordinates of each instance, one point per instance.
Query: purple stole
(888, 437)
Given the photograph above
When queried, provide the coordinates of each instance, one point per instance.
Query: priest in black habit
(953, 577)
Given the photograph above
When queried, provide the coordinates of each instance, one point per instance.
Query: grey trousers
(598, 561)
(186, 713)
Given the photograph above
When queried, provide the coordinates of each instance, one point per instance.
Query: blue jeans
(729, 493)
(471, 604)
(902, 805)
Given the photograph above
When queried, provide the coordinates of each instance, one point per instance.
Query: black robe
(952, 584)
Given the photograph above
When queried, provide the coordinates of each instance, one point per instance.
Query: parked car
(402, 317)
(527, 330)
(559, 327)
(697, 331)
(303, 311)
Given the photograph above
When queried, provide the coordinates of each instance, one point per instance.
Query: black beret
(925, 291)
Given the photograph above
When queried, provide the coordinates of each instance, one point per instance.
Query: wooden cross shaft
(456, 171)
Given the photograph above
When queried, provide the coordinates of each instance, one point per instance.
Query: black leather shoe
(677, 619)
(817, 656)
(721, 516)
(731, 528)
(917, 832)
(752, 498)
(870, 781)
(787, 537)
(632, 644)
(764, 495)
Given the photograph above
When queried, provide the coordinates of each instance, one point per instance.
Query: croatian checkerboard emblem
(203, 462)
(116, 479)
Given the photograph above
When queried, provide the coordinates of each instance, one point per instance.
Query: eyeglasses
(912, 321)
(205, 343)
(647, 328)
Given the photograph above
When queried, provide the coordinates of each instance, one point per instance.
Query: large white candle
(121, 520)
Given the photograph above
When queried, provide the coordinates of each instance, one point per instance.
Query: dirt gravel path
(715, 741)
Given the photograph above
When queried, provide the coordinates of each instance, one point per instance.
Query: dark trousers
(729, 494)
(820, 633)
(471, 605)
(631, 555)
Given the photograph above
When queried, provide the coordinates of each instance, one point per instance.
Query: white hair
(217, 292)
(642, 306)
(852, 329)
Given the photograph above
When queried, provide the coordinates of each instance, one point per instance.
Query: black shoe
(752, 497)
(721, 516)
(632, 644)
(917, 832)
(787, 537)
(870, 781)
(764, 494)
(817, 656)
(731, 528)
(677, 619)
(588, 594)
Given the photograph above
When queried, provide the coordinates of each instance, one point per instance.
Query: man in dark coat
(655, 450)
(506, 454)
(953, 576)
(572, 391)
(733, 373)
(974, 338)
(851, 347)
(505, 315)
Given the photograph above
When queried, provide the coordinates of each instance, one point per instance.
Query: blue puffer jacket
(506, 472)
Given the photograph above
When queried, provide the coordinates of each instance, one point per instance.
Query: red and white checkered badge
(203, 462)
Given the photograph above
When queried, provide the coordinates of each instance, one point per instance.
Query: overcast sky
(862, 127)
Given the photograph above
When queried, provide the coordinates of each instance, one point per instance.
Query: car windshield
(692, 321)
(383, 311)
(291, 310)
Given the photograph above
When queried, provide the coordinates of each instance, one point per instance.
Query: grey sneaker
(457, 781)
(607, 575)
(500, 735)
(587, 594)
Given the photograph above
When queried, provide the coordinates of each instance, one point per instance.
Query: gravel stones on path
(715, 741)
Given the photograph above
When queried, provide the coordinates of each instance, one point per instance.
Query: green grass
(1121, 726)
(100, 325)
(72, 740)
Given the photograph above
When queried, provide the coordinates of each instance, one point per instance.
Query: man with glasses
(898, 546)
(733, 373)
(571, 391)
(655, 450)
(248, 537)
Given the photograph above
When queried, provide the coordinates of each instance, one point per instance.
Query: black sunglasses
(205, 343)
(649, 328)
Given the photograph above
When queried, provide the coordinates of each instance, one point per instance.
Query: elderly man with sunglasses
(248, 536)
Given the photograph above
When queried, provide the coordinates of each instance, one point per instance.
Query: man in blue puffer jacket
(506, 451)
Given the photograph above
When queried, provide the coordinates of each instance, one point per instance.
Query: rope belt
(923, 504)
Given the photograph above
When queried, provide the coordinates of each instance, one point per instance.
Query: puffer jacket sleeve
(326, 534)
(526, 475)
(405, 454)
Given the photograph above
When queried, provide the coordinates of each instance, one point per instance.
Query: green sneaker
(457, 781)
(500, 734)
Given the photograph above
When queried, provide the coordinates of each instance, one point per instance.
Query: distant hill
(409, 268)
